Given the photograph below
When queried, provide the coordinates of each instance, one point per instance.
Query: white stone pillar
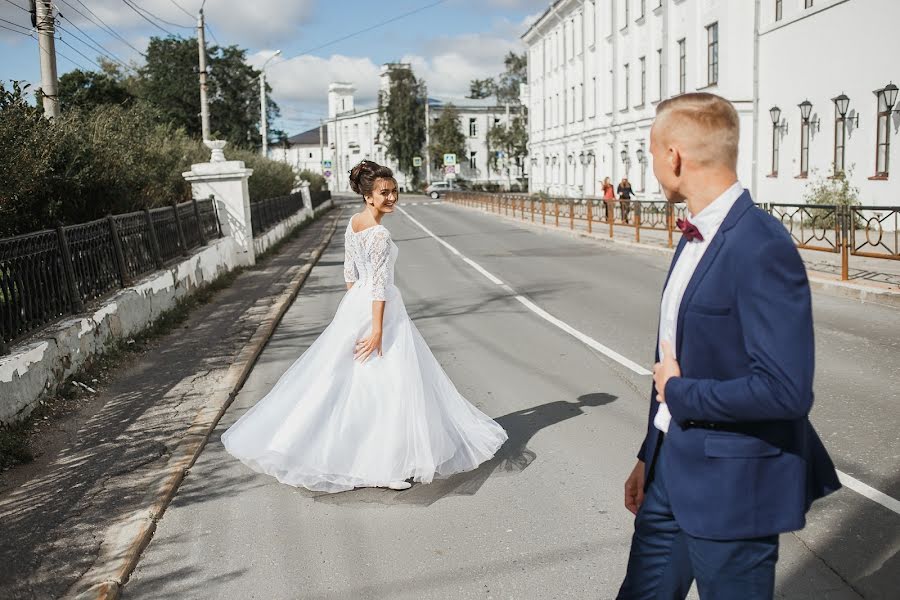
(226, 182)
(305, 194)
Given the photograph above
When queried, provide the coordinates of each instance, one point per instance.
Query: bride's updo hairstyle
(363, 176)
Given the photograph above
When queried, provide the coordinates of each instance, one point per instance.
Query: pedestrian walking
(625, 194)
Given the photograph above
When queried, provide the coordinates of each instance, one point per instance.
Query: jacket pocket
(735, 445)
(707, 309)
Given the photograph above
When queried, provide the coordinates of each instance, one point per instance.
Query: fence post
(572, 214)
(200, 231)
(69, 268)
(590, 215)
(181, 241)
(531, 208)
(637, 221)
(556, 210)
(543, 211)
(154, 242)
(117, 248)
(670, 216)
(847, 221)
(610, 216)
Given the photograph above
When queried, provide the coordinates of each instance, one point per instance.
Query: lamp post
(888, 95)
(263, 125)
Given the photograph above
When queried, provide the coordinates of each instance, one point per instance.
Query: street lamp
(263, 125)
(775, 114)
(888, 96)
(805, 111)
(842, 103)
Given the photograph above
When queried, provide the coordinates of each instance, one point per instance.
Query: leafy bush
(316, 181)
(90, 163)
(830, 191)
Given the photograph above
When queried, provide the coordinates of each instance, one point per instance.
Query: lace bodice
(369, 257)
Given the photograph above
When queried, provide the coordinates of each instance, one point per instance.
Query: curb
(866, 294)
(124, 542)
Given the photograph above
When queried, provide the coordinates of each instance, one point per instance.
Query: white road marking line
(584, 338)
(869, 492)
(854, 484)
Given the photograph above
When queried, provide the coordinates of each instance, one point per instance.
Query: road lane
(543, 520)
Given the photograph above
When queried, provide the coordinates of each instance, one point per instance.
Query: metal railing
(264, 214)
(865, 231)
(53, 273)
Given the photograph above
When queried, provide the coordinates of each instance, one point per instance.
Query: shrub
(830, 191)
(316, 181)
(270, 178)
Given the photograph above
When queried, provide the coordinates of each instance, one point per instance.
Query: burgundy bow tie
(689, 230)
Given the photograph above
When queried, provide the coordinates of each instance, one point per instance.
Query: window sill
(624, 30)
(639, 106)
(772, 175)
(623, 110)
(882, 177)
(835, 176)
(640, 20)
(658, 10)
(802, 176)
(708, 86)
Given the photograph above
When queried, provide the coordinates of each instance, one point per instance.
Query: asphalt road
(545, 518)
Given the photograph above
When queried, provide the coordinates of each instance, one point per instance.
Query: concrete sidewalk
(95, 470)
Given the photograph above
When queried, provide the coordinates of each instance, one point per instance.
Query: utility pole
(46, 27)
(263, 117)
(427, 139)
(204, 104)
(321, 147)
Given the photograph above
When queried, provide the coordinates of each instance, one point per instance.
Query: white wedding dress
(332, 424)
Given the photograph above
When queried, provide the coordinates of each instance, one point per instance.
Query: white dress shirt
(708, 222)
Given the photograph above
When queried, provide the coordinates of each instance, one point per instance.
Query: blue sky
(448, 43)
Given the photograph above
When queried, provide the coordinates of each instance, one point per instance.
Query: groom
(730, 459)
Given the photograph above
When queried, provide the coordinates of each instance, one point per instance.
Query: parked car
(439, 188)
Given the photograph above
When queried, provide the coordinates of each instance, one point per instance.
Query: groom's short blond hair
(705, 126)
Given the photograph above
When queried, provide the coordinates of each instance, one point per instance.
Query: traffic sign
(449, 159)
(450, 171)
(417, 161)
(326, 164)
(327, 173)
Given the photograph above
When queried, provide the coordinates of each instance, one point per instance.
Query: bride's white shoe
(399, 485)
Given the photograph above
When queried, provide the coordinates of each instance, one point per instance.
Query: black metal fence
(266, 213)
(53, 273)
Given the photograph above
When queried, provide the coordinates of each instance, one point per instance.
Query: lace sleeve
(351, 275)
(379, 253)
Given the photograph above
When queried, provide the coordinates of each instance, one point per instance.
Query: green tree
(446, 135)
(168, 80)
(481, 88)
(401, 116)
(506, 85)
(508, 145)
(89, 89)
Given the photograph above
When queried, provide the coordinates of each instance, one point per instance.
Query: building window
(572, 105)
(627, 86)
(473, 163)
(804, 147)
(627, 12)
(643, 61)
(662, 75)
(580, 106)
(643, 4)
(807, 3)
(840, 141)
(594, 97)
(559, 116)
(883, 143)
(712, 54)
(682, 66)
(473, 128)
(778, 13)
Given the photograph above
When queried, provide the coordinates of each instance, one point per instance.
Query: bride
(367, 405)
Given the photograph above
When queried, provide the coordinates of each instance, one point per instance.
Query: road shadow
(512, 458)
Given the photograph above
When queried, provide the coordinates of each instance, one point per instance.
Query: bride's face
(384, 195)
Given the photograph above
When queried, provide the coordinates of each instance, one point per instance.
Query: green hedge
(87, 164)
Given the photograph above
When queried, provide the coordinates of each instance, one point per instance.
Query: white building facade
(352, 134)
(598, 68)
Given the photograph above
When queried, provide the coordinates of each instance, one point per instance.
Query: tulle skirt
(332, 424)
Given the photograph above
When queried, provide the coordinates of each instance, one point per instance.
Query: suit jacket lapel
(737, 211)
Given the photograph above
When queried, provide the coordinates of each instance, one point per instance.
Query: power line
(181, 8)
(146, 18)
(100, 23)
(30, 34)
(25, 33)
(361, 31)
(80, 53)
(161, 20)
(215, 39)
(28, 29)
(22, 8)
(105, 52)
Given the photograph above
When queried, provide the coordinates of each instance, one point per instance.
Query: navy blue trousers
(665, 560)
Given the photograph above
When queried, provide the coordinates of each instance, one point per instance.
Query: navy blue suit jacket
(742, 459)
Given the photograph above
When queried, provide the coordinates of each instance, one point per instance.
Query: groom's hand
(665, 370)
(634, 488)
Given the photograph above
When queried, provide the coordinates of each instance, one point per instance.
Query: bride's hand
(366, 346)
